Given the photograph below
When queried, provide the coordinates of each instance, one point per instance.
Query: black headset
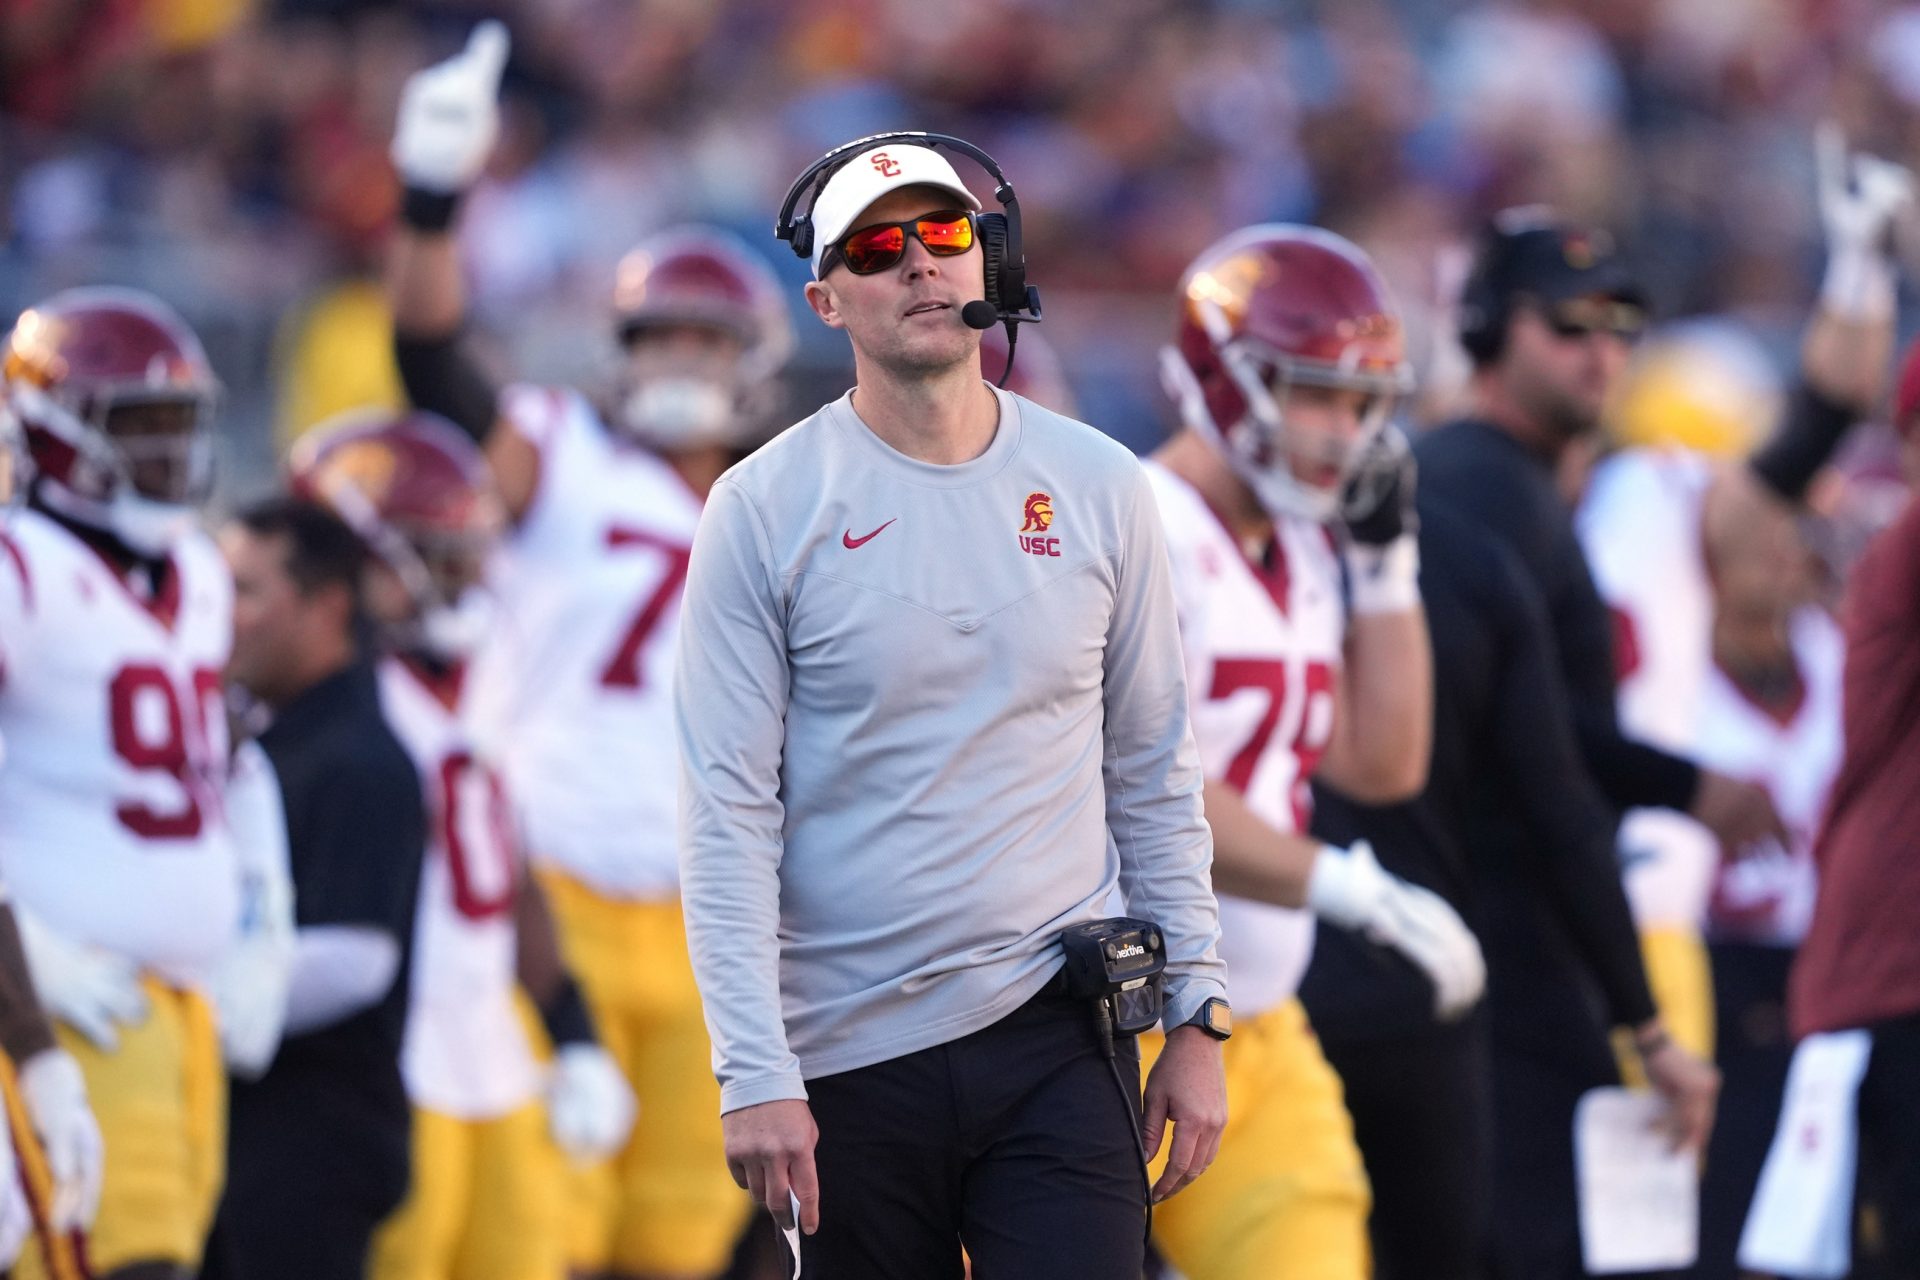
(1010, 299)
(1486, 300)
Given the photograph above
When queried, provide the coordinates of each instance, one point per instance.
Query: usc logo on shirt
(1037, 519)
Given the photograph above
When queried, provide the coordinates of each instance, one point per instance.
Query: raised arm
(449, 118)
(1383, 725)
(1849, 343)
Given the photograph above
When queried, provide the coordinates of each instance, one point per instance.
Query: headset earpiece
(993, 256)
(1484, 303)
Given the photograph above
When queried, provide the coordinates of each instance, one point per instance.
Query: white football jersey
(466, 1052)
(1263, 652)
(1640, 526)
(1767, 897)
(574, 690)
(112, 823)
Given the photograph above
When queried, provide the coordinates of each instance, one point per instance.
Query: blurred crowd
(231, 155)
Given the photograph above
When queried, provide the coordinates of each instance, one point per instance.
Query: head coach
(931, 714)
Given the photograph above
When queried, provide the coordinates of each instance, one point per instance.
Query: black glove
(1378, 503)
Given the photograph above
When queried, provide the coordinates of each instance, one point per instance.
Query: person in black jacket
(318, 1146)
(1512, 831)
(1548, 318)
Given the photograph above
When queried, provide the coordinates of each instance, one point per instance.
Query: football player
(1693, 422)
(486, 1198)
(38, 1213)
(1287, 502)
(575, 682)
(115, 617)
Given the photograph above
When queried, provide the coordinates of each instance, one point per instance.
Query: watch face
(1216, 1016)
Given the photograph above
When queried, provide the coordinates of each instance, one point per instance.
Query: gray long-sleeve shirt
(929, 716)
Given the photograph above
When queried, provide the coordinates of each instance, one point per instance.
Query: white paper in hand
(793, 1233)
(1639, 1200)
(1801, 1220)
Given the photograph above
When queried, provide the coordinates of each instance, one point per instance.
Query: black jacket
(1510, 829)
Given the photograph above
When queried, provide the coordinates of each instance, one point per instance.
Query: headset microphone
(980, 314)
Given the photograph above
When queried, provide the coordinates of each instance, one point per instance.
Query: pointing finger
(486, 51)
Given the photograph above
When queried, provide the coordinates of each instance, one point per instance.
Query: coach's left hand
(1188, 1086)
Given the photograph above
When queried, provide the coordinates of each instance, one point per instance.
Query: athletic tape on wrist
(1385, 579)
(1860, 284)
(566, 1018)
(429, 210)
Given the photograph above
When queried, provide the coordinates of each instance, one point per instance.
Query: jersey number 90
(153, 733)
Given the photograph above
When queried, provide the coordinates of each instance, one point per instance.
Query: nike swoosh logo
(848, 541)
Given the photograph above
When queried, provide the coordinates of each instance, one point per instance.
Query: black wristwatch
(1215, 1018)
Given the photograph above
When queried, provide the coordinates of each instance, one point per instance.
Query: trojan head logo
(1582, 248)
(1038, 518)
(365, 466)
(1225, 289)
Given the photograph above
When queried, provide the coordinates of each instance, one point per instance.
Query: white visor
(872, 174)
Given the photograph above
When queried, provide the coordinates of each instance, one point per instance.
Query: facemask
(676, 411)
(455, 631)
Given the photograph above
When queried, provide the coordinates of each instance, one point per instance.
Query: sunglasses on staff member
(947, 234)
(1585, 317)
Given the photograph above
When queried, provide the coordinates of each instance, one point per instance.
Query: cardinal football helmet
(698, 278)
(115, 396)
(1269, 308)
(16, 468)
(419, 493)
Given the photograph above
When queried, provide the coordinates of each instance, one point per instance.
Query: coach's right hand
(770, 1152)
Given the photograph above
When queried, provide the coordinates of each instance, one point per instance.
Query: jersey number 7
(624, 671)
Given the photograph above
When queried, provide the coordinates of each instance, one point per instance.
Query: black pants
(1536, 1218)
(1752, 1048)
(310, 1176)
(1888, 1244)
(1015, 1140)
(1421, 1112)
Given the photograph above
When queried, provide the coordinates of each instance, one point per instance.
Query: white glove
(250, 987)
(589, 1106)
(91, 989)
(250, 995)
(16, 1215)
(450, 115)
(1860, 196)
(55, 1095)
(1349, 888)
